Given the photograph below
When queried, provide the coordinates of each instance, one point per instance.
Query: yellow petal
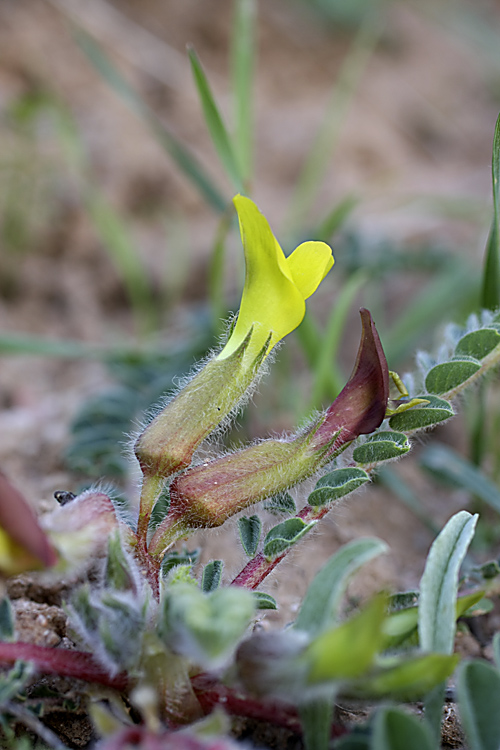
(271, 303)
(273, 300)
(308, 264)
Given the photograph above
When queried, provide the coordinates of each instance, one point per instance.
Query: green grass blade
(186, 162)
(336, 218)
(328, 380)
(215, 123)
(242, 66)
(18, 344)
(490, 296)
(318, 159)
(389, 478)
(449, 466)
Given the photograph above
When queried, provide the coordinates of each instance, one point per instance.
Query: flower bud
(80, 529)
(167, 444)
(209, 494)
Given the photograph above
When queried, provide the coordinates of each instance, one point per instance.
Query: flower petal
(271, 302)
(308, 264)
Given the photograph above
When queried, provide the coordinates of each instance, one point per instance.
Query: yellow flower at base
(276, 287)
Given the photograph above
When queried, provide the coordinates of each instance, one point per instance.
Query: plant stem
(60, 661)
(151, 489)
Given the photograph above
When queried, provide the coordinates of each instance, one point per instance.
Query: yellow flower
(276, 287)
(272, 305)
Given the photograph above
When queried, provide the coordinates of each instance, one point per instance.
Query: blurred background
(366, 124)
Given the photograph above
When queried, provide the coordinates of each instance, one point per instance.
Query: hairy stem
(60, 661)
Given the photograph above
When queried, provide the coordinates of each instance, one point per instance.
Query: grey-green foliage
(320, 605)
(250, 528)
(428, 414)
(7, 624)
(204, 627)
(394, 729)
(284, 535)
(211, 576)
(478, 696)
(381, 446)
(337, 483)
(111, 619)
(13, 681)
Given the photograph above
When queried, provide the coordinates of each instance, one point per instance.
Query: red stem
(211, 693)
(62, 662)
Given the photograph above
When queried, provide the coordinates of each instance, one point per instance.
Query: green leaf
(284, 535)
(347, 651)
(316, 719)
(118, 574)
(336, 484)
(403, 623)
(250, 529)
(7, 622)
(425, 415)
(448, 466)
(490, 293)
(319, 607)
(353, 741)
(439, 584)
(160, 510)
(205, 628)
(283, 503)
(186, 162)
(382, 446)
(478, 696)
(173, 559)
(212, 576)
(496, 649)
(12, 682)
(264, 601)
(448, 375)
(409, 680)
(478, 343)
(215, 124)
(396, 730)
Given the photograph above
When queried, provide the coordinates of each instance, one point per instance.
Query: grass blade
(447, 465)
(242, 66)
(490, 295)
(215, 123)
(186, 162)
